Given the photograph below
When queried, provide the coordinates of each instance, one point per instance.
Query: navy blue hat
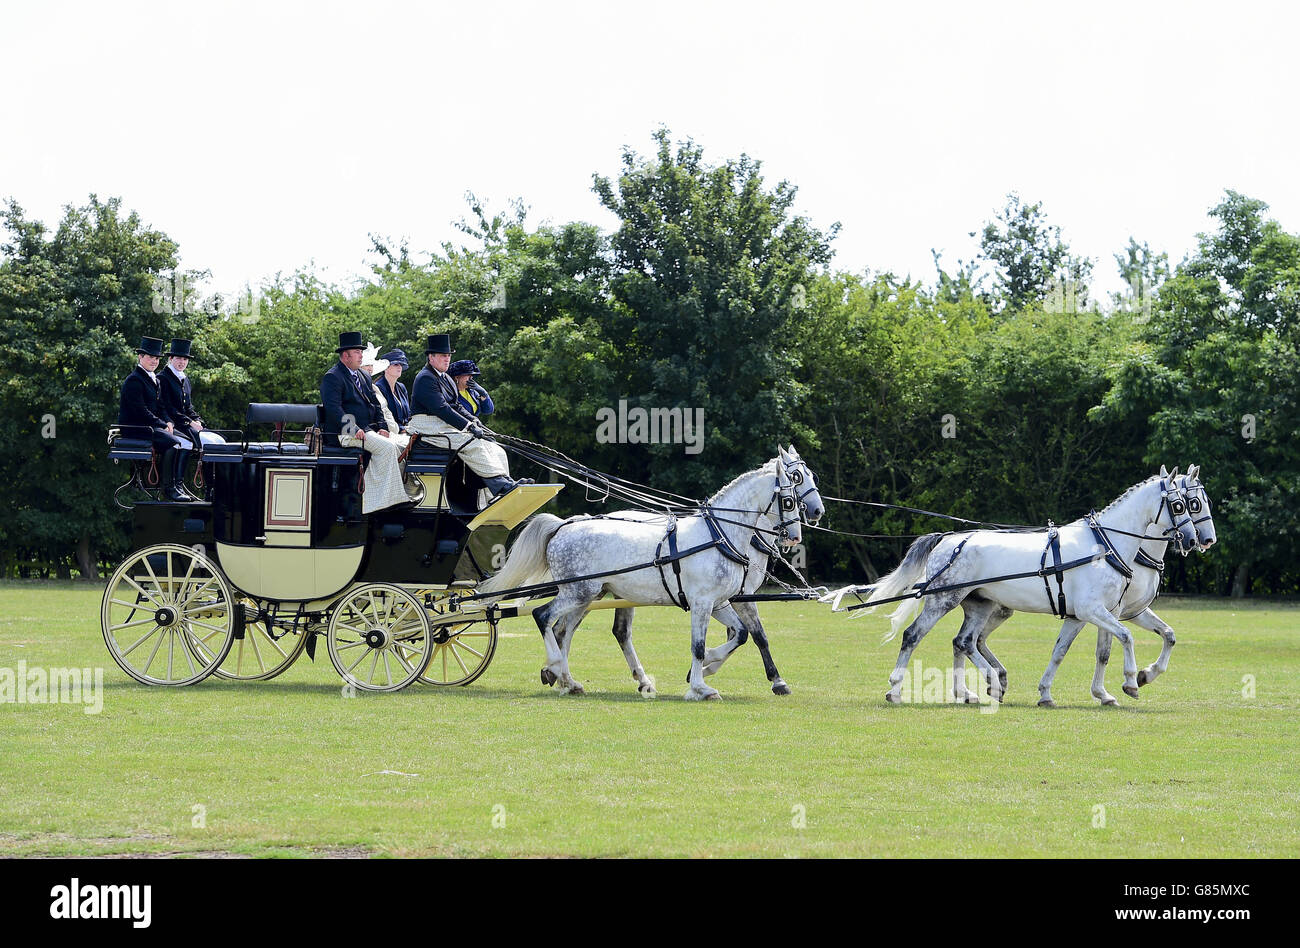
(396, 357)
(181, 347)
(463, 367)
(150, 346)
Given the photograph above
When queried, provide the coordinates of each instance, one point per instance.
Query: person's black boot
(182, 461)
(170, 489)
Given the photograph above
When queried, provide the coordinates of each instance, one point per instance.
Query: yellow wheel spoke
(467, 648)
(139, 640)
(456, 655)
(357, 662)
(131, 624)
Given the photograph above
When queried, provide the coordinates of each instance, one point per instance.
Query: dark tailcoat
(142, 413)
(399, 402)
(178, 399)
(434, 393)
(341, 396)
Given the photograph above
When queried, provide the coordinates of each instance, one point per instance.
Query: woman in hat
(472, 396)
(142, 414)
(178, 396)
(394, 392)
(354, 419)
(377, 368)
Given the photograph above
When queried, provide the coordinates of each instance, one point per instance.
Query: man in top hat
(354, 419)
(142, 415)
(472, 396)
(394, 392)
(178, 395)
(437, 414)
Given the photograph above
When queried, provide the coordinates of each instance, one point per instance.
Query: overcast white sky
(265, 136)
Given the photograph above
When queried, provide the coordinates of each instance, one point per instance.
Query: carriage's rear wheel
(461, 652)
(168, 615)
(259, 655)
(379, 637)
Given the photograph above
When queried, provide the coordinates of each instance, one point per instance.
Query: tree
(1028, 256)
(710, 268)
(72, 308)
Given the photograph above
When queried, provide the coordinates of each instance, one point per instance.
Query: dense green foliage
(990, 394)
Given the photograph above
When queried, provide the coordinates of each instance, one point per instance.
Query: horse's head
(809, 500)
(1198, 507)
(789, 529)
(1173, 513)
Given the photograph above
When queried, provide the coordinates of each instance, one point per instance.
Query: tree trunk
(86, 557)
(62, 570)
(1240, 581)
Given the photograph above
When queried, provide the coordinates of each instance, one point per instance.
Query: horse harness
(789, 505)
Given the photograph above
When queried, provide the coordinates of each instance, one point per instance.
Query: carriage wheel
(461, 652)
(379, 638)
(168, 615)
(259, 656)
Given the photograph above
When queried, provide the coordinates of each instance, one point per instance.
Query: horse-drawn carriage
(277, 552)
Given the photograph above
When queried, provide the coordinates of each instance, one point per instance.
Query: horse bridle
(791, 506)
(1194, 506)
(1178, 507)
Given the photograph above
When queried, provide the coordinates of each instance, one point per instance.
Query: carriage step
(511, 509)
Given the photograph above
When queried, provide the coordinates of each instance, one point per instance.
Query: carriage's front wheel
(168, 615)
(461, 652)
(379, 638)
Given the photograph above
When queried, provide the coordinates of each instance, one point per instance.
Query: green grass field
(1197, 767)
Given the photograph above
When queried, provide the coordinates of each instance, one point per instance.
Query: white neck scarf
(176, 372)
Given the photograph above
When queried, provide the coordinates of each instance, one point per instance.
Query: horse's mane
(768, 468)
(1136, 487)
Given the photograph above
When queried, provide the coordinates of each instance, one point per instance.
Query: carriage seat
(126, 447)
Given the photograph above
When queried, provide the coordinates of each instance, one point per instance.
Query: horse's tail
(901, 580)
(525, 564)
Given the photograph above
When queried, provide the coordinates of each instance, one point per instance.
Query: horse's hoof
(780, 688)
(1109, 702)
(1046, 703)
(548, 677)
(972, 699)
(1131, 691)
(573, 689)
(713, 697)
(1143, 678)
(889, 696)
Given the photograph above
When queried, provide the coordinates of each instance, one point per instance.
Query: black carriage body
(429, 545)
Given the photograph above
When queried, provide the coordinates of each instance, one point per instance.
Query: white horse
(994, 573)
(698, 562)
(1135, 607)
(759, 559)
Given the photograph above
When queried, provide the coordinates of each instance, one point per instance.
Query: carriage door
(287, 507)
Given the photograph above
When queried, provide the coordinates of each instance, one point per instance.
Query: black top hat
(439, 344)
(149, 346)
(180, 347)
(463, 367)
(350, 340)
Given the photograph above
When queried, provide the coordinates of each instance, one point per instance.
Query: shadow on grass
(471, 692)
